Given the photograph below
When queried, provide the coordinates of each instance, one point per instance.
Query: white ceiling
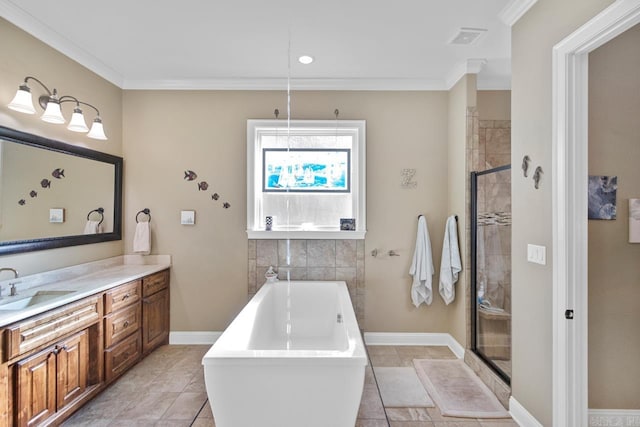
(243, 44)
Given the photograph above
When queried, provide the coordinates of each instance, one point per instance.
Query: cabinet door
(73, 368)
(36, 388)
(155, 320)
(4, 393)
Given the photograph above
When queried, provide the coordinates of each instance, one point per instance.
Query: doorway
(570, 171)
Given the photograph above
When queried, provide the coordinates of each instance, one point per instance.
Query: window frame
(254, 180)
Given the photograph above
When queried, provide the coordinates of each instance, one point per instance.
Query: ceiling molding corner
(26, 22)
(470, 66)
(514, 10)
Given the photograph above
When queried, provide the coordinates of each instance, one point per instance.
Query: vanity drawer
(122, 296)
(155, 282)
(121, 356)
(47, 327)
(121, 324)
(2, 355)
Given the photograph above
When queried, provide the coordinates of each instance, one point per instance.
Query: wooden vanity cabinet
(155, 311)
(4, 384)
(53, 363)
(52, 379)
(122, 322)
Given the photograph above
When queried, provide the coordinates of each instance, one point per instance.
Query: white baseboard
(193, 338)
(414, 338)
(614, 417)
(520, 415)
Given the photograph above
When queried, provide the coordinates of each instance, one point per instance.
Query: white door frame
(570, 171)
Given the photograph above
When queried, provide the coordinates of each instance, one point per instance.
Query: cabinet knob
(126, 296)
(126, 323)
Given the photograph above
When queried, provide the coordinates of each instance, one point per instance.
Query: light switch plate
(188, 217)
(537, 254)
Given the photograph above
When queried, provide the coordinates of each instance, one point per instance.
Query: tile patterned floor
(167, 389)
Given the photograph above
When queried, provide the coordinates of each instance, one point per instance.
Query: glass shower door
(491, 268)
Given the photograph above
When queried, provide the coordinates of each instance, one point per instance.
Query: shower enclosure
(491, 268)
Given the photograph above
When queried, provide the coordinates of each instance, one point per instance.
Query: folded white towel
(422, 266)
(92, 227)
(450, 265)
(142, 238)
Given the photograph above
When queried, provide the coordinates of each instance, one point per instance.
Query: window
(307, 176)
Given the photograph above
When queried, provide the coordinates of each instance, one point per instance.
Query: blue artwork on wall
(602, 197)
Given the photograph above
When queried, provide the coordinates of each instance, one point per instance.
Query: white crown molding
(281, 84)
(514, 10)
(42, 32)
(520, 414)
(470, 66)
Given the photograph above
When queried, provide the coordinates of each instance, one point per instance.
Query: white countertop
(82, 280)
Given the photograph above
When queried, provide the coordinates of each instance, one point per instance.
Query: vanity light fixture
(50, 102)
(305, 59)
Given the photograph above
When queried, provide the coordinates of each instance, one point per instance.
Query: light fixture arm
(26, 80)
(43, 100)
(69, 98)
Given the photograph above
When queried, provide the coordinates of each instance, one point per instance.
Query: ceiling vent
(467, 35)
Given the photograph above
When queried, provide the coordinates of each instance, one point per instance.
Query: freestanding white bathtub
(293, 357)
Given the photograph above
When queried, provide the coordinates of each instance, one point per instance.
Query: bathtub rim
(354, 354)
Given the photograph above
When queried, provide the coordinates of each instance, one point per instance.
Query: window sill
(305, 234)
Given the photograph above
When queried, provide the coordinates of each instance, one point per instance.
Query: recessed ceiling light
(305, 59)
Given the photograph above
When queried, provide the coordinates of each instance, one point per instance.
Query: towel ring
(100, 211)
(145, 211)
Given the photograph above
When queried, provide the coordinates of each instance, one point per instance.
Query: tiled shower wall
(492, 146)
(488, 146)
(311, 260)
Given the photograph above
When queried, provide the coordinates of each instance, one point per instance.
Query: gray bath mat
(401, 387)
(457, 389)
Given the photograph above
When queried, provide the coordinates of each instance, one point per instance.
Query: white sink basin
(37, 298)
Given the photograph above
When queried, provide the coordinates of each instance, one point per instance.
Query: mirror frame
(30, 245)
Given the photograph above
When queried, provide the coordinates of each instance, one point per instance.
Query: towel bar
(454, 215)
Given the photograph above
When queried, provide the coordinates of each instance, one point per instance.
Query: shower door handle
(568, 314)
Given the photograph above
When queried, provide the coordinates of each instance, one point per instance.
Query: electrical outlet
(537, 254)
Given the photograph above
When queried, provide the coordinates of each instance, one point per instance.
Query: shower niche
(491, 268)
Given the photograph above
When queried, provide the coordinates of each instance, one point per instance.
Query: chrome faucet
(13, 292)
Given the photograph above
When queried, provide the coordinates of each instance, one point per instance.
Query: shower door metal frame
(474, 270)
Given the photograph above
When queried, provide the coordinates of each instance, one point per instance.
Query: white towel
(422, 266)
(92, 227)
(142, 238)
(450, 265)
(634, 220)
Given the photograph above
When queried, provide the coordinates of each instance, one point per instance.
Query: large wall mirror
(54, 194)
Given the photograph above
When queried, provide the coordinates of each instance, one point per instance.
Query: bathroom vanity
(70, 333)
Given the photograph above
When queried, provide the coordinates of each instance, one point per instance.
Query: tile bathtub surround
(310, 260)
(167, 389)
